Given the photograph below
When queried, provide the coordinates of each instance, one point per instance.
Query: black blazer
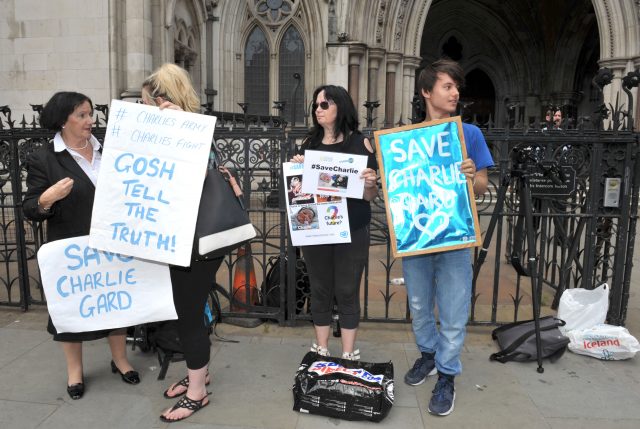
(71, 216)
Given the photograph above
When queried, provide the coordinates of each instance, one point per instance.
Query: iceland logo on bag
(326, 368)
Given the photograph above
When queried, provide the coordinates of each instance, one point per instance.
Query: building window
(291, 90)
(256, 73)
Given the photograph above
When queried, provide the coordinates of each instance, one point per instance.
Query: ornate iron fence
(585, 224)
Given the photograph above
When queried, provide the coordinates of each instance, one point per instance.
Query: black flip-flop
(187, 403)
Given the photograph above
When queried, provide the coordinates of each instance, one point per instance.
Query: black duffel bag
(517, 341)
(349, 390)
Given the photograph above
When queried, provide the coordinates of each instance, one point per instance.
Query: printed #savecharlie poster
(429, 202)
(313, 219)
(89, 289)
(153, 168)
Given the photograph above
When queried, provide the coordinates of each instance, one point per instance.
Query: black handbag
(517, 341)
(223, 223)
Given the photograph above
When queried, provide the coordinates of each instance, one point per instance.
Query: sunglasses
(324, 105)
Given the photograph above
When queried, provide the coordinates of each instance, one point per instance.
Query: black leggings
(191, 286)
(336, 269)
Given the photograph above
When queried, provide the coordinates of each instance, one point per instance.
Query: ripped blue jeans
(442, 280)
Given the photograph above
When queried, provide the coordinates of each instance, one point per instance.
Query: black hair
(346, 117)
(59, 107)
(429, 75)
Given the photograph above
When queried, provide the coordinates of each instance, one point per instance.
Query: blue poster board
(430, 204)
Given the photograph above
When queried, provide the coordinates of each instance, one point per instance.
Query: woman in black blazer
(61, 180)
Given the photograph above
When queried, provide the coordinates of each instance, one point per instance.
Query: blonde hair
(172, 83)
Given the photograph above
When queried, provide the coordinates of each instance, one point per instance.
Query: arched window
(256, 73)
(291, 89)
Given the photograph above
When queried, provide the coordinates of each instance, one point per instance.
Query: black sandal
(184, 383)
(187, 403)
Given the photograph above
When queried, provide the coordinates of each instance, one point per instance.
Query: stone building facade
(520, 56)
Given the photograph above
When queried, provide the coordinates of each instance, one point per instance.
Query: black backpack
(162, 337)
(517, 341)
(271, 284)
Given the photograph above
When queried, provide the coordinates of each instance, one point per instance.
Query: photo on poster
(326, 180)
(328, 199)
(305, 217)
(294, 192)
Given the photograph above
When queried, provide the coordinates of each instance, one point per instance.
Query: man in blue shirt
(444, 279)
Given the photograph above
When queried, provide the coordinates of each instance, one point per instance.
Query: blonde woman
(169, 87)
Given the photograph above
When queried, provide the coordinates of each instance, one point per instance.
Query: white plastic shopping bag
(583, 308)
(606, 342)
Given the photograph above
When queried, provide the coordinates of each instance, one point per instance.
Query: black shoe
(130, 377)
(444, 396)
(422, 368)
(76, 391)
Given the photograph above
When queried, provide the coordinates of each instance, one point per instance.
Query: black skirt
(76, 337)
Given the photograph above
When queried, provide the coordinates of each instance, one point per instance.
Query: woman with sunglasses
(335, 270)
(169, 87)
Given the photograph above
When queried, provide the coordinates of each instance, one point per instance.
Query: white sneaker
(355, 355)
(322, 351)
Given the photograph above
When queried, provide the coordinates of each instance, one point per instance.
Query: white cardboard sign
(151, 176)
(89, 289)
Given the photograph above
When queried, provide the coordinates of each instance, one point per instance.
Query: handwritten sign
(88, 289)
(313, 219)
(429, 202)
(334, 173)
(150, 182)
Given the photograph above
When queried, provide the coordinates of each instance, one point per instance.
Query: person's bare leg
(348, 337)
(176, 389)
(73, 356)
(118, 345)
(196, 391)
(322, 335)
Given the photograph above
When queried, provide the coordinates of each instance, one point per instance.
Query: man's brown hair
(429, 74)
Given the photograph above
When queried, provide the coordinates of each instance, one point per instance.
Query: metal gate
(582, 238)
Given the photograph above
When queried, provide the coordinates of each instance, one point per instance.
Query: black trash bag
(349, 390)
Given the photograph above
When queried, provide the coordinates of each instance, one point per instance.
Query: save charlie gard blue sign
(429, 202)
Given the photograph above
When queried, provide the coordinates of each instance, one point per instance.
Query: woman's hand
(166, 104)
(370, 184)
(55, 192)
(370, 178)
(298, 158)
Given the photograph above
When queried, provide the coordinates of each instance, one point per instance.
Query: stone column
(618, 66)
(393, 59)
(209, 91)
(375, 57)
(409, 66)
(636, 121)
(138, 46)
(337, 71)
(356, 52)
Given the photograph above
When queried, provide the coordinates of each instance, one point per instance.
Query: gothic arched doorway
(478, 98)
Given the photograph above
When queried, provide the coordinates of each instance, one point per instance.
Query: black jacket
(71, 216)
